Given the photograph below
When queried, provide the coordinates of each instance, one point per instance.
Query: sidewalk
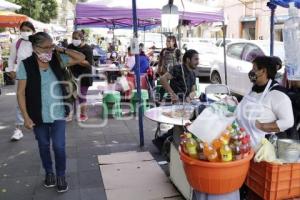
(21, 174)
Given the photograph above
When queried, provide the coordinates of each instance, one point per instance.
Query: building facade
(249, 19)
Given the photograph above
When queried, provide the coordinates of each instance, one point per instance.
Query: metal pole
(273, 8)
(137, 73)
(224, 49)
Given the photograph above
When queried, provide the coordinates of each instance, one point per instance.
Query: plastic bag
(122, 81)
(266, 152)
(210, 123)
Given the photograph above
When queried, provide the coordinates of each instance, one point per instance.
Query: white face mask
(25, 35)
(76, 43)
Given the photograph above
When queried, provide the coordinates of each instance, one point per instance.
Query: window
(251, 52)
(235, 50)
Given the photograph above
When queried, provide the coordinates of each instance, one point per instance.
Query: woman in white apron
(264, 110)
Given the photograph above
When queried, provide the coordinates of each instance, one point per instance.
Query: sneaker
(83, 118)
(70, 117)
(17, 135)
(49, 180)
(62, 185)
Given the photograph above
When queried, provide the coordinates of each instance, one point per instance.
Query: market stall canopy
(285, 3)
(118, 14)
(11, 19)
(5, 5)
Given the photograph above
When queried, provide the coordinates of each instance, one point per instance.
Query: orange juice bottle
(225, 136)
(226, 152)
(217, 145)
(200, 150)
(183, 143)
(210, 153)
(191, 146)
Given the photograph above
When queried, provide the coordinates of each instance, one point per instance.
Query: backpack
(18, 44)
(294, 95)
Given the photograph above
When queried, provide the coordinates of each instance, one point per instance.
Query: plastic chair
(111, 104)
(134, 100)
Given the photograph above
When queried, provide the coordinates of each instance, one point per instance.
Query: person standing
(266, 109)
(42, 101)
(144, 60)
(82, 71)
(19, 50)
(129, 60)
(169, 57)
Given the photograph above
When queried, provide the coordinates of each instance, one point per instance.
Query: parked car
(220, 42)
(239, 57)
(207, 50)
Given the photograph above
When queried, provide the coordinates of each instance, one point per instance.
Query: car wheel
(215, 78)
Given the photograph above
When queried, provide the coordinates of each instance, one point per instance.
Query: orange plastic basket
(273, 181)
(215, 177)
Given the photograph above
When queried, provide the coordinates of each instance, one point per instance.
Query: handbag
(71, 87)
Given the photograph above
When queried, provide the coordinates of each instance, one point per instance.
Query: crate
(273, 181)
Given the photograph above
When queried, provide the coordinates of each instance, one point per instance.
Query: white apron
(249, 110)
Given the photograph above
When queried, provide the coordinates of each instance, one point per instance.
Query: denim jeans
(56, 132)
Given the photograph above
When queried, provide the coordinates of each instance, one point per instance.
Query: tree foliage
(41, 10)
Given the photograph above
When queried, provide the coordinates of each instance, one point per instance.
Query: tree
(41, 10)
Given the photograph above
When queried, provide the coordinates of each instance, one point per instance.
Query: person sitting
(181, 87)
(182, 78)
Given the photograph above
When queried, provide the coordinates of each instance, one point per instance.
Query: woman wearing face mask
(82, 71)
(19, 50)
(41, 101)
(266, 109)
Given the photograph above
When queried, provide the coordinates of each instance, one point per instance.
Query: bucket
(215, 177)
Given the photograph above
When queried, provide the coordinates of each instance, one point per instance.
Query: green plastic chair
(111, 104)
(144, 100)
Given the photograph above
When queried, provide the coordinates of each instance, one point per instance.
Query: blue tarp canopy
(285, 3)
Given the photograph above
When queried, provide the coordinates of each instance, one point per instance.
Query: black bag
(72, 86)
(8, 80)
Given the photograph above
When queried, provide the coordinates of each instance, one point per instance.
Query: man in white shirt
(19, 50)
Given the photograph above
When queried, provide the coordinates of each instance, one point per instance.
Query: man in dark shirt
(182, 78)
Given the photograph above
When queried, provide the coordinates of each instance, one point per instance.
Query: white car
(207, 51)
(239, 57)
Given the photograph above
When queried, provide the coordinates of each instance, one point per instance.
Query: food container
(287, 148)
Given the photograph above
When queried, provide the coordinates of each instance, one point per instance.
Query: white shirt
(275, 107)
(130, 62)
(278, 108)
(24, 51)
